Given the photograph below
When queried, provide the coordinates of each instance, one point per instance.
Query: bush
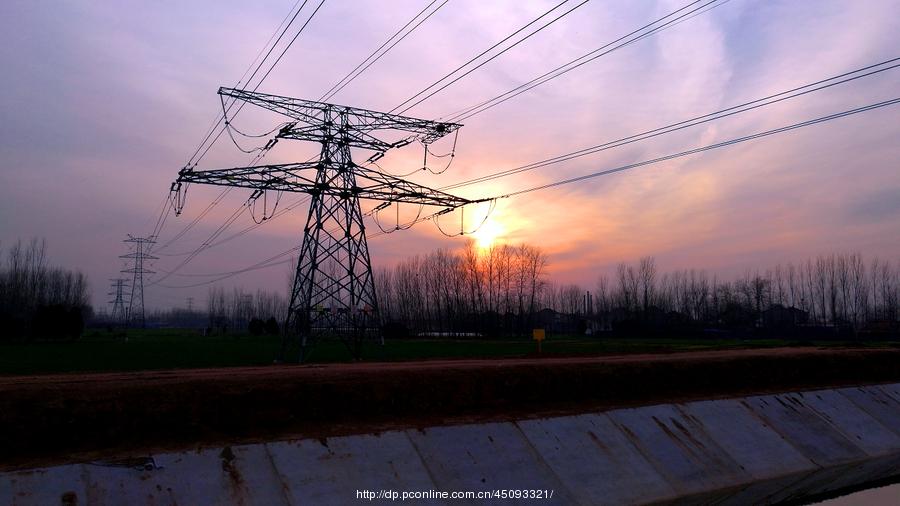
(272, 326)
(57, 322)
(256, 327)
(394, 330)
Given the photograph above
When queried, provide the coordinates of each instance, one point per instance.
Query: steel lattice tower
(140, 253)
(333, 291)
(118, 314)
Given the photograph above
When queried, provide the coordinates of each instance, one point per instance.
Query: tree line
(833, 289)
(505, 290)
(38, 300)
(238, 310)
(471, 290)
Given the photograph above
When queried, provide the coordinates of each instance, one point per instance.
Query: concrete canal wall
(761, 449)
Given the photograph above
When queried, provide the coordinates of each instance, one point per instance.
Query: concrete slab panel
(492, 456)
(595, 461)
(39, 487)
(253, 479)
(818, 440)
(679, 448)
(759, 450)
(877, 404)
(192, 477)
(893, 389)
(850, 420)
(195, 477)
(331, 471)
(122, 484)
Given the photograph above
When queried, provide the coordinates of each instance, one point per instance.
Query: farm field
(161, 349)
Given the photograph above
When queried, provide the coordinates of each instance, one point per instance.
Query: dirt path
(350, 369)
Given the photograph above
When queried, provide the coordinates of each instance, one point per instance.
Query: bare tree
(647, 276)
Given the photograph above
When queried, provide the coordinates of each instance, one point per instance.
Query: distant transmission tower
(139, 253)
(119, 312)
(333, 291)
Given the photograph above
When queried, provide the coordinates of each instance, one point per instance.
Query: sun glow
(487, 234)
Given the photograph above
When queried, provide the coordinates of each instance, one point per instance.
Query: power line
(619, 43)
(196, 220)
(345, 81)
(259, 265)
(700, 10)
(332, 91)
(163, 214)
(261, 63)
(359, 69)
(219, 118)
(730, 142)
(514, 44)
(249, 228)
(717, 145)
(697, 120)
(849, 76)
(271, 261)
(263, 78)
(204, 245)
(285, 50)
(263, 264)
(166, 209)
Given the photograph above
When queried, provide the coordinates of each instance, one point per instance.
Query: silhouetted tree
(38, 300)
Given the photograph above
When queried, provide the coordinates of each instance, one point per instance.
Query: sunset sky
(104, 101)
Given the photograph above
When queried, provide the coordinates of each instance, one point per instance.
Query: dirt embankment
(58, 418)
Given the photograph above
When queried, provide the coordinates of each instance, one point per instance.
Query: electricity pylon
(140, 253)
(118, 314)
(333, 291)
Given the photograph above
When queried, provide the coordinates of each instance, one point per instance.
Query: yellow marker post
(538, 335)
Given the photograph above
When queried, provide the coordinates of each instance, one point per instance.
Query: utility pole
(333, 292)
(140, 252)
(190, 304)
(119, 314)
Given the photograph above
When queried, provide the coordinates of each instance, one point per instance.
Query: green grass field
(176, 349)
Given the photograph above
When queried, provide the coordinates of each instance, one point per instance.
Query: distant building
(556, 323)
(780, 316)
(881, 328)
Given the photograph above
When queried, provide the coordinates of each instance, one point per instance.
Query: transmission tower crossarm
(320, 114)
(144, 256)
(138, 270)
(390, 188)
(354, 138)
(301, 178)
